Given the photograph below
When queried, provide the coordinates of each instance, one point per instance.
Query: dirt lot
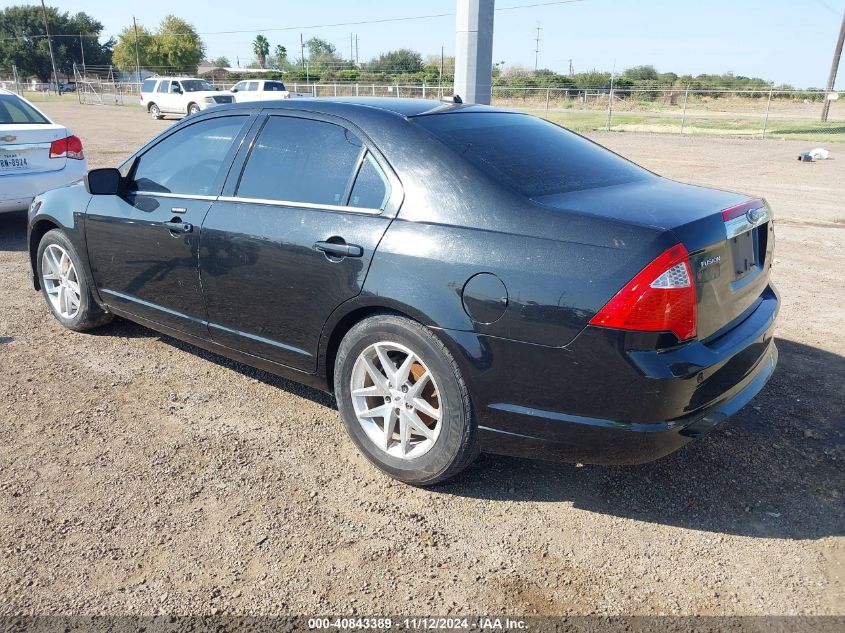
(139, 475)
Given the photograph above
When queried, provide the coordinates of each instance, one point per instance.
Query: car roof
(403, 107)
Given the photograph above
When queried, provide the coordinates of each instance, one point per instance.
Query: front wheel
(65, 284)
(155, 111)
(193, 109)
(403, 400)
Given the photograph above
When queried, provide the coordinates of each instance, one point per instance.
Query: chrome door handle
(339, 250)
(179, 227)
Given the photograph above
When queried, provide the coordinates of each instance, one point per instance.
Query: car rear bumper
(597, 401)
(557, 436)
(18, 190)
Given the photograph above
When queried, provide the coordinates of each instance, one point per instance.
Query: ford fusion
(462, 278)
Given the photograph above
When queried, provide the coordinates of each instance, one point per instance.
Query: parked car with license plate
(462, 278)
(36, 154)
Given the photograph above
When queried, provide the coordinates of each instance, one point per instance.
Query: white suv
(179, 95)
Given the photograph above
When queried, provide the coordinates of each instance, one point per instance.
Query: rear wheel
(65, 284)
(155, 111)
(403, 400)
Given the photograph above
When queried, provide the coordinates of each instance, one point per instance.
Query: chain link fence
(772, 113)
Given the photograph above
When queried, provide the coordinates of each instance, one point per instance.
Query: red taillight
(70, 147)
(661, 298)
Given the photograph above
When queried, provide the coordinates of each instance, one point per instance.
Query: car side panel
(63, 208)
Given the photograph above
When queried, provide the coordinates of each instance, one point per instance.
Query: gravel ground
(140, 475)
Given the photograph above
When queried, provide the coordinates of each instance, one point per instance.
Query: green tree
(397, 62)
(124, 51)
(179, 45)
(174, 47)
(23, 42)
(221, 62)
(641, 73)
(281, 57)
(261, 48)
(319, 48)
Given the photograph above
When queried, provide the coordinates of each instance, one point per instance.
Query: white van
(179, 95)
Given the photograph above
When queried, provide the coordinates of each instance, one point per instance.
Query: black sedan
(462, 278)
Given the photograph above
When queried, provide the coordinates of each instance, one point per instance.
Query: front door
(293, 237)
(143, 245)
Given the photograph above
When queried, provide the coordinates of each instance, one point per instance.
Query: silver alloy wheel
(154, 111)
(396, 400)
(60, 281)
(194, 109)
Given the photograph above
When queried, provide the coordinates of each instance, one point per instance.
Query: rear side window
(532, 156)
(371, 187)
(189, 161)
(274, 86)
(300, 160)
(164, 86)
(148, 85)
(16, 110)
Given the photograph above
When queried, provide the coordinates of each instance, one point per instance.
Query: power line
(384, 20)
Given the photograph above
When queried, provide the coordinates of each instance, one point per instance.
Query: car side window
(188, 161)
(175, 86)
(371, 189)
(163, 86)
(300, 160)
(240, 86)
(252, 85)
(149, 85)
(274, 86)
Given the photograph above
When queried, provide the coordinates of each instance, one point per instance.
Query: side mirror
(103, 182)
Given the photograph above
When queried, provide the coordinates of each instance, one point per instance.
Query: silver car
(36, 154)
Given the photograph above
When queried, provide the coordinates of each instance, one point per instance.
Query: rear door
(293, 235)
(143, 245)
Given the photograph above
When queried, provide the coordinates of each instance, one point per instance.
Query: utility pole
(50, 45)
(537, 47)
(351, 47)
(834, 68)
(474, 50)
(82, 50)
(357, 61)
(302, 49)
(441, 72)
(571, 71)
(137, 53)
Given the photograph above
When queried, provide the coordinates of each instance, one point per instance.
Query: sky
(785, 41)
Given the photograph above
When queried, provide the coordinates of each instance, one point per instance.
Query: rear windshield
(533, 156)
(16, 110)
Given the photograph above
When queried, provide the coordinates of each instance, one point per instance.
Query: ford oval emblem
(754, 215)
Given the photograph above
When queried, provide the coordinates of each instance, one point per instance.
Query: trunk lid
(730, 252)
(25, 148)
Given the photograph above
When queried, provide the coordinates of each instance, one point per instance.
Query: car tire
(155, 111)
(193, 108)
(66, 285)
(403, 451)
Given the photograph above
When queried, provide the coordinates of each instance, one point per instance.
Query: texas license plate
(10, 161)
